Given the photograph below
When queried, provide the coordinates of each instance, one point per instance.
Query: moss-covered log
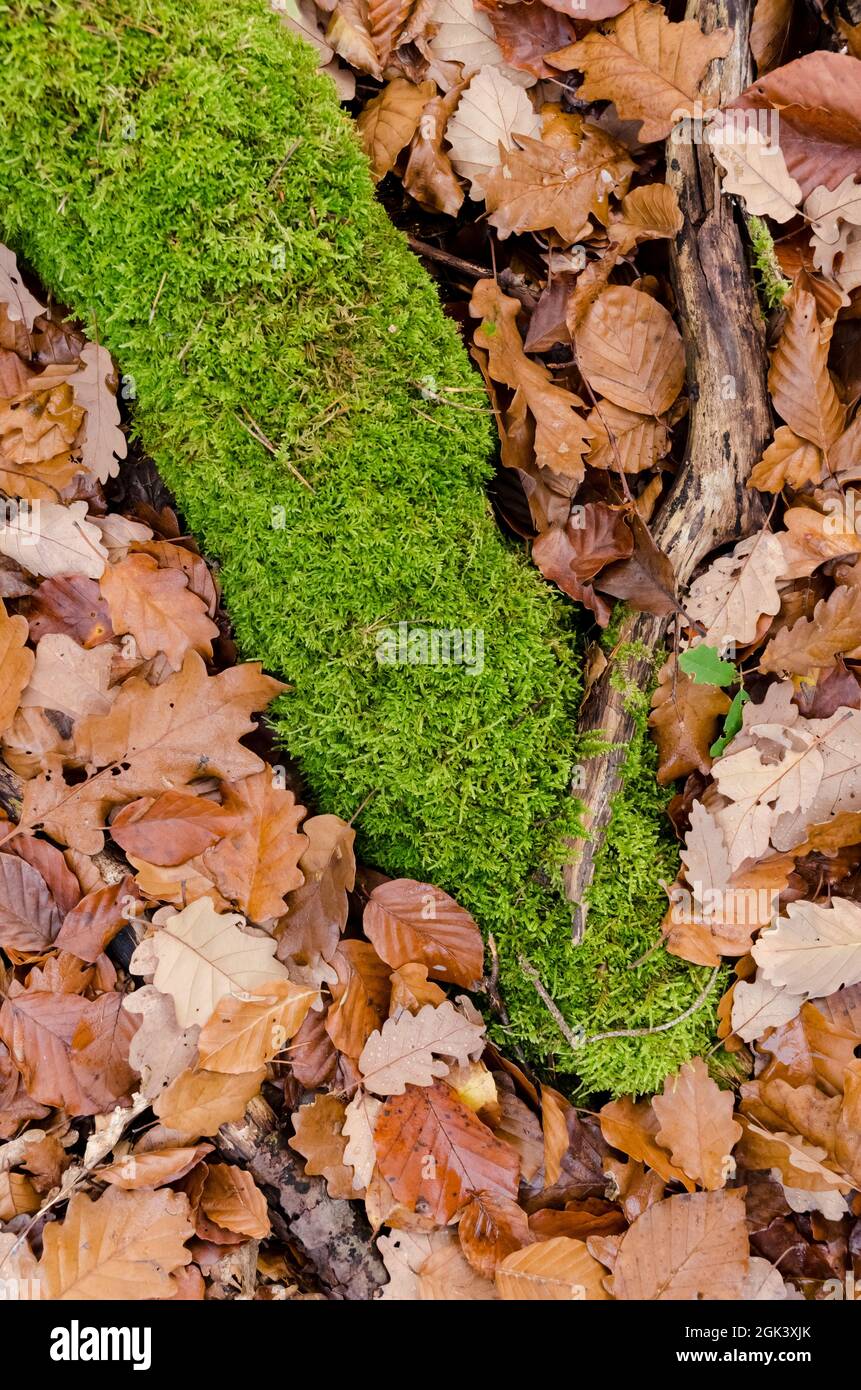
(177, 173)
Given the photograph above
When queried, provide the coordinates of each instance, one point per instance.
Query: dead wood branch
(730, 424)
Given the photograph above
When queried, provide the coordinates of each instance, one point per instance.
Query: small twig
(157, 297)
(433, 253)
(260, 438)
(291, 150)
(574, 1041)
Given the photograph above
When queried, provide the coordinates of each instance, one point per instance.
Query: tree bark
(332, 1233)
(729, 427)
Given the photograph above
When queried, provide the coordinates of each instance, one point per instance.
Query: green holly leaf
(731, 724)
(705, 666)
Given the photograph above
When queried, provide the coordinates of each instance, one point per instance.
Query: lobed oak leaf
(788, 461)
(242, 1035)
(801, 1164)
(648, 212)
(436, 1155)
(696, 1124)
(539, 187)
(415, 922)
(257, 861)
(649, 67)
(814, 643)
(319, 1138)
(813, 950)
(632, 1126)
(201, 955)
(103, 443)
(758, 1005)
(736, 590)
(71, 605)
(684, 720)
(16, 664)
(693, 1246)
(556, 1269)
(122, 1247)
(64, 542)
(360, 1121)
(68, 678)
(630, 351)
(157, 607)
(411, 989)
(407, 1049)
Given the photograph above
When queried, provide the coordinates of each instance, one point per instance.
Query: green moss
(771, 283)
(180, 175)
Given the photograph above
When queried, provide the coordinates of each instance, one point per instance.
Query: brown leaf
(694, 1246)
(349, 36)
(649, 212)
(257, 862)
(390, 120)
(155, 1168)
(361, 996)
(630, 351)
(526, 32)
(556, 1269)
(811, 644)
(647, 66)
(646, 579)
(200, 1102)
(684, 722)
(409, 921)
(121, 1247)
(157, 607)
(696, 1124)
(411, 989)
(820, 140)
(632, 1126)
(71, 605)
(539, 186)
(232, 1199)
(170, 829)
(243, 1034)
(490, 1228)
(789, 461)
(320, 1139)
(799, 381)
(29, 919)
(91, 925)
(94, 385)
(16, 664)
(561, 434)
(407, 1049)
(429, 176)
(436, 1155)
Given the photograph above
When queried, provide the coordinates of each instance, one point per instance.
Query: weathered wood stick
(729, 426)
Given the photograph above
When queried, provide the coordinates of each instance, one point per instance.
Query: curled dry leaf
(817, 642)
(389, 121)
(684, 721)
(800, 383)
(429, 176)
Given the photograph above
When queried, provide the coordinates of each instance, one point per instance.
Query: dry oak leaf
(94, 384)
(491, 1228)
(800, 383)
(319, 1138)
(684, 722)
(649, 212)
(647, 66)
(170, 829)
(202, 955)
(361, 991)
(736, 590)
(758, 1005)
(814, 643)
(317, 910)
(232, 1199)
(360, 1121)
(814, 950)
(160, 1050)
(827, 209)
(68, 678)
(632, 1127)
(257, 861)
(71, 1052)
(820, 139)
(489, 114)
(348, 34)
(811, 538)
(390, 120)
(407, 1049)
(754, 169)
(155, 1168)
(428, 1266)
(411, 989)
(64, 543)
(696, 1124)
(429, 176)
(243, 1035)
(200, 1102)
(71, 605)
(29, 916)
(801, 1165)
(561, 434)
(157, 607)
(16, 664)
(165, 736)
(415, 922)
(788, 461)
(21, 305)
(436, 1155)
(539, 186)
(557, 1269)
(830, 1122)
(630, 351)
(694, 1246)
(122, 1247)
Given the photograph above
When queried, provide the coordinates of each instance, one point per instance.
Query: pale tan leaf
(59, 541)
(464, 34)
(95, 388)
(407, 1049)
(243, 1035)
(560, 1269)
(490, 113)
(737, 590)
(694, 1246)
(122, 1247)
(814, 950)
(360, 1119)
(754, 169)
(68, 678)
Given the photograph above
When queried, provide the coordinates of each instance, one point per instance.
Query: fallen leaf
(200, 1102)
(410, 1048)
(648, 212)
(800, 383)
(60, 542)
(694, 1246)
(390, 120)
(696, 1124)
(557, 1269)
(491, 1228)
(122, 1247)
(684, 720)
(68, 678)
(755, 169)
(157, 607)
(489, 114)
(737, 590)
(242, 1035)
(232, 1199)
(789, 461)
(630, 351)
(319, 1138)
(814, 643)
(813, 950)
(257, 861)
(414, 922)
